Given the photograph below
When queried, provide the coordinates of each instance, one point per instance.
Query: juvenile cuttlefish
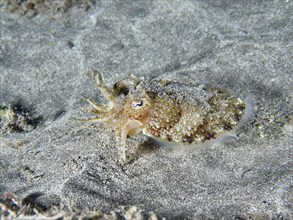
(166, 110)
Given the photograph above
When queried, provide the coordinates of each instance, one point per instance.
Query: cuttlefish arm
(106, 91)
(130, 128)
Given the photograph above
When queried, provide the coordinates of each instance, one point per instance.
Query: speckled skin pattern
(172, 111)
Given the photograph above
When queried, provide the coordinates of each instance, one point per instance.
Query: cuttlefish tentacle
(99, 118)
(134, 79)
(93, 120)
(99, 108)
(108, 93)
(102, 112)
(130, 128)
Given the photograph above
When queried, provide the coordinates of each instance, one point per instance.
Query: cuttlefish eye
(137, 104)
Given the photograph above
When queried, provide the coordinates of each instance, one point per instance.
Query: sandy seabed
(54, 165)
